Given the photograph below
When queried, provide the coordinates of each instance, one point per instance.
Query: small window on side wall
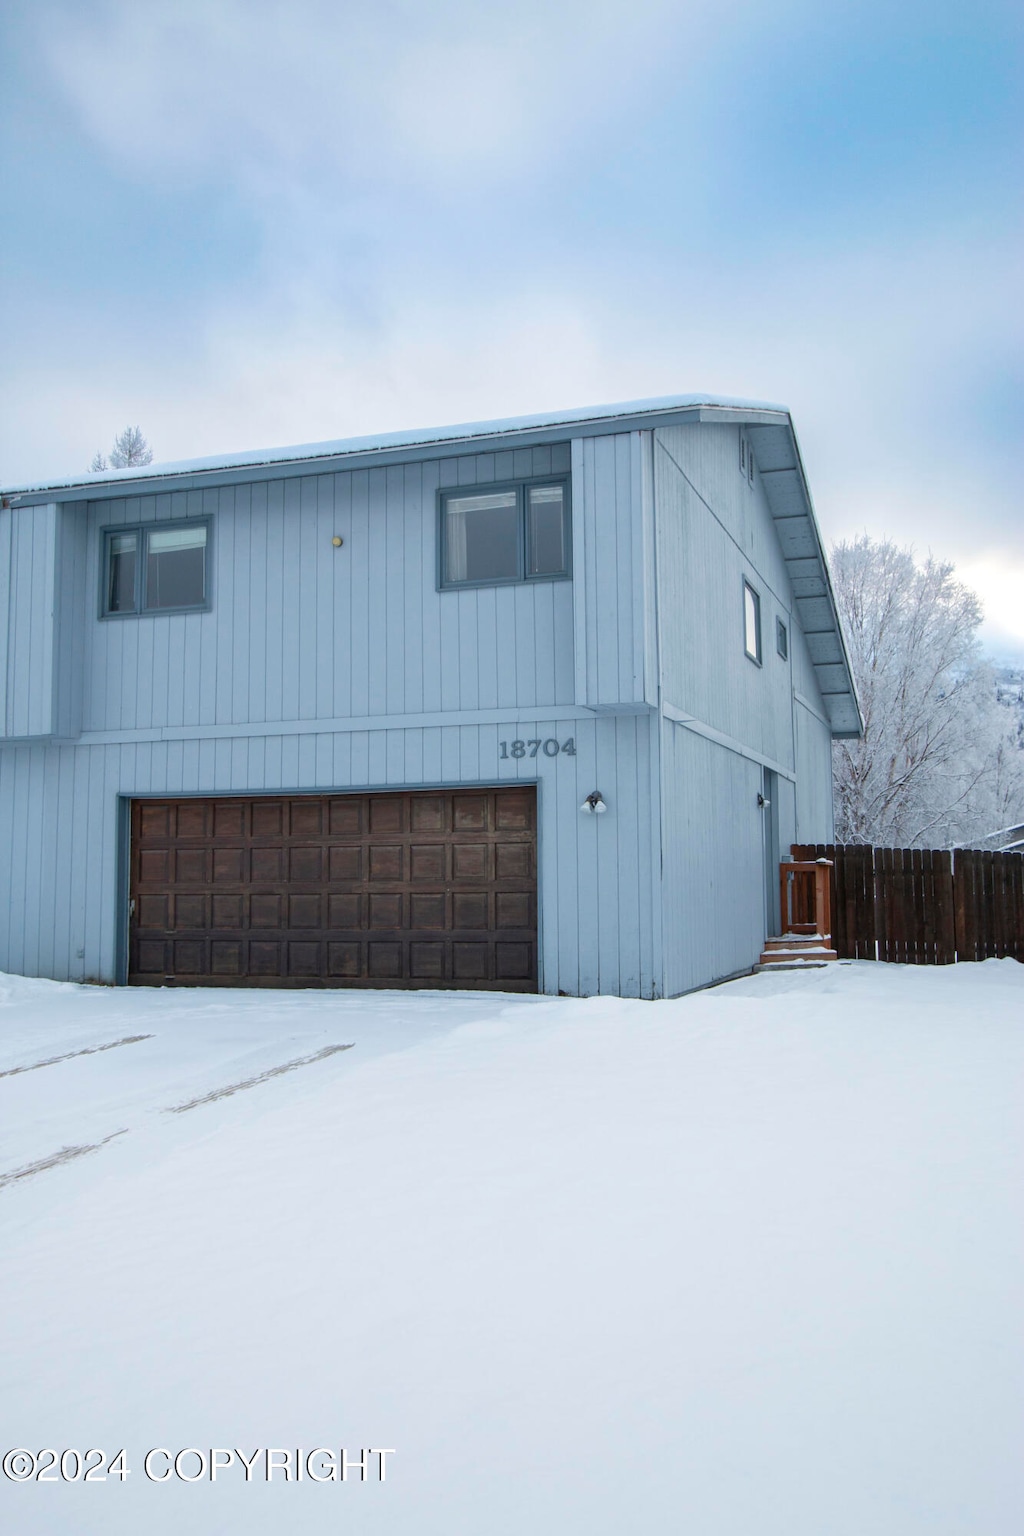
(155, 570)
(781, 639)
(492, 535)
(751, 623)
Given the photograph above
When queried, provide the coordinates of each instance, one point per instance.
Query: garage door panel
(344, 911)
(303, 958)
(345, 862)
(386, 911)
(229, 818)
(305, 864)
(226, 911)
(267, 818)
(265, 910)
(191, 819)
(471, 861)
(346, 817)
(428, 814)
(511, 961)
(471, 813)
(513, 861)
(386, 814)
(427, 910)
(152, 958)
(513, 810)
(512, 909)
(189, 957)
(228, 865)
(267, 864)
(344, 959)
(406, 889)
(155, 822)
(386, 862)
(470, 909)
(384, 959)
(190, 866)
(305, 911)
(264, 958)
(190, 911)
(226, 958)
(426, 961)
(305, 818)
(154, 911)
(154, 866)
(427, 861)
(469, 962)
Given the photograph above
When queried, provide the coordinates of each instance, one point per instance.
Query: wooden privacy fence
(923, 906)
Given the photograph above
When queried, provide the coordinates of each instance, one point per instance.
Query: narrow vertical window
(122, 567)
(781, 639)
(546, 530)
(751, 623)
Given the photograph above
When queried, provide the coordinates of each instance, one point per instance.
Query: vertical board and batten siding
(613, 546)
(28, 574)
(61, 901)
(714, 530)
(299, 630)
(815, 821)
(712, 861)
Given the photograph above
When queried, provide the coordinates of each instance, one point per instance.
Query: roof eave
(780, 465)
(444, 442)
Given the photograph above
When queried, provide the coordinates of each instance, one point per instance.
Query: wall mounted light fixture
(594, 805)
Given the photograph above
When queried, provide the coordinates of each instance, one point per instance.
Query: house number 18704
(550, 747)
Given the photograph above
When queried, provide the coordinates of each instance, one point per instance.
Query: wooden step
(793, 949)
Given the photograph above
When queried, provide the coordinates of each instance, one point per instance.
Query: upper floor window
(493, 534)
(751, 623)
(746, 459)
(155, 569)
(781, 639)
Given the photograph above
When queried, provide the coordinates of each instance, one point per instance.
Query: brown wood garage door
(432, 889)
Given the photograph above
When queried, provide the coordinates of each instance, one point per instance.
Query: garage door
(432, 889)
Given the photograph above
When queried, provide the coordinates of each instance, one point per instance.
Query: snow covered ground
(741, 1264)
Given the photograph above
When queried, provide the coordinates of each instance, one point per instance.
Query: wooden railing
(805, 897)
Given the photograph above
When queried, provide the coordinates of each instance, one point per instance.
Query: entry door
(429, 889)
(770, 813)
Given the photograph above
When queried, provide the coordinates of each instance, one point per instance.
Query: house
(522, 705)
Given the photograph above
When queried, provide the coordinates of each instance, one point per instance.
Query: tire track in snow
(261, 1077)
(65, 1155)
(87, 1050)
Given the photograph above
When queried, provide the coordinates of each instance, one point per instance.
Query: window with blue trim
(155, 569)
(503, 533)
(751, 623)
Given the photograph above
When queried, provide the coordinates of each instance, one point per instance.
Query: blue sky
(242, 223)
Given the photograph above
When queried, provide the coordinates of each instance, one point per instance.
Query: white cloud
(386, 88)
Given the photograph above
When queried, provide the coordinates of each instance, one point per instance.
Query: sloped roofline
(384, 442)
(769, 426)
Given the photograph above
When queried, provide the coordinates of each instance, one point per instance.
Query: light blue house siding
(324, 668)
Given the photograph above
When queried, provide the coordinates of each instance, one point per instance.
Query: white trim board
(690, 723)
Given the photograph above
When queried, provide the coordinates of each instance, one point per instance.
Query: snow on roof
(424, 436)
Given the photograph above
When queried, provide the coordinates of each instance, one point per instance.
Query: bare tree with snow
(937, 765)
(130, 451)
